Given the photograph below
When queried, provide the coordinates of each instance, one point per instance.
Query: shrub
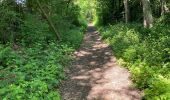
(33, 72)
(146, 53)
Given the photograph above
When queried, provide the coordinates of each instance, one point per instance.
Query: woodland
(38, 39)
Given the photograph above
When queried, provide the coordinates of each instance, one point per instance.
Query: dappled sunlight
(80, 77)
(82, 53)
(107, 82)
(93, 63)
(96, 73)
(100, 46)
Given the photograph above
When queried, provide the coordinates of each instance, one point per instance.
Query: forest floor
(95, 75)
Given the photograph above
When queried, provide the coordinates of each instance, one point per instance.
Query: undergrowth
(32, 67)
(146, 53)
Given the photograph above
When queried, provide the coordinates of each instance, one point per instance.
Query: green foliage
(87, 9)
(9, 22)
(165, 19)
(33, 30)
(32, 62)
(73, 37)
(159, 89)
(33, 72)
(146, 53)
(104, 11)
(109, 11)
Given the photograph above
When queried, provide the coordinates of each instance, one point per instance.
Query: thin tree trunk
(127, 15)
(147, 14)
(49, 21)
(164, 8)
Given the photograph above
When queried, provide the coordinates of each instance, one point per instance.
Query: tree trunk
(147, 14)
(164, 8)
(49, 21)
(127, 15)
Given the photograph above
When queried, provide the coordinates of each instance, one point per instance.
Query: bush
(33, 72)
(146, 53)
(73, 37)
(32, 62)
(159, 89)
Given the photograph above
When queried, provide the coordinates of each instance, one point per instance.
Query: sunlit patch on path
(95, 75)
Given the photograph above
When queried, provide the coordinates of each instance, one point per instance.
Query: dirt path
(95, 75)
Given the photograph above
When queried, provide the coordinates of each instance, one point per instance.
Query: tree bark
(164, 8)
(49, 21)
(147, 14)
(127, 15)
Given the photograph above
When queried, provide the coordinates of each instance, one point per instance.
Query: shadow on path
(95, 75)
